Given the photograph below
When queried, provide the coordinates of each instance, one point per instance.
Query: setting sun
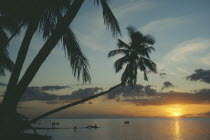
(176, 114)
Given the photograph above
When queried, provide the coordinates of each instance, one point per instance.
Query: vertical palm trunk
(73, 104)
(44, 52)
(10, 91)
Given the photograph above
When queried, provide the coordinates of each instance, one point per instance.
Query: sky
(181, 86)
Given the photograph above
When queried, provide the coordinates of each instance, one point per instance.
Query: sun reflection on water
(177, 129)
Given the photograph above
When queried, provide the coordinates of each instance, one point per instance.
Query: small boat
(126, 122)
(90, 126)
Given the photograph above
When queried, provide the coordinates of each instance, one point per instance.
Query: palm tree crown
(136, 56)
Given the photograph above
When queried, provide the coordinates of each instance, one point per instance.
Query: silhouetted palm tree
(136, 56)
(5, 62)
(54, 23)
(78, 63)
(30, 14)
(42, 15)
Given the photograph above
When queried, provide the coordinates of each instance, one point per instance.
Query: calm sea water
(137, 129)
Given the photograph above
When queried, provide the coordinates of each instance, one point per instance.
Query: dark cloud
(51, 88)
(200, 75)
(167, 84)
(146, 95)
(149, 91)
(81, 93)
(203, 115)
(162, 74)
(127, 91)
(34, 93)
(3, 84)
(200, 97)
(207, 114)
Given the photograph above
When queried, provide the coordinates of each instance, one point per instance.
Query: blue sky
(182, 33)
(181, 30)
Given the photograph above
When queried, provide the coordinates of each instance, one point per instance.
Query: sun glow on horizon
(176, 114)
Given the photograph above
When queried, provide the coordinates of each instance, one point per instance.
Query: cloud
(44, 88)
(146, 95)
(82, 93)
(203, 115)
(167, 84)
(163, 24)
(183, 70)
(192, 51)
(206, 114)
(206, 60)
(51, 88)
(187, 49)
(3, 84)
(34, 93)
(149, 91)
(127, 91)
(130, 7)
(199, 97)
(162, 74)
(200, 75)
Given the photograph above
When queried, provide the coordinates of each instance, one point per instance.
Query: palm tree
(53, 32)
(79, 62)
(42, 15)
(5, 62)
(136, 56)
(30, 14)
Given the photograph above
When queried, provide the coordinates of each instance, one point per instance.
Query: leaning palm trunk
(73, 104)
(9, 96)
(43, 53)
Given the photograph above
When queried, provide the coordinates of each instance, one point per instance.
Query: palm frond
(141, 65)
(118, 51)
(145, 76)
(79, 63)
(119, 63)
(3, 37)
(145, 51)
(131, 31)
(148, 39)
(149, 64)
(5, 62)
(109, 19)
(136, 37)
(122, 44)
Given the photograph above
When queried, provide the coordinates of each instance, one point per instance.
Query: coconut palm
(135, 56)
(5, 62)
(55, 33)
(32, 15)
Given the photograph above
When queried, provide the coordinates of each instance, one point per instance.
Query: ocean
(136, 129)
